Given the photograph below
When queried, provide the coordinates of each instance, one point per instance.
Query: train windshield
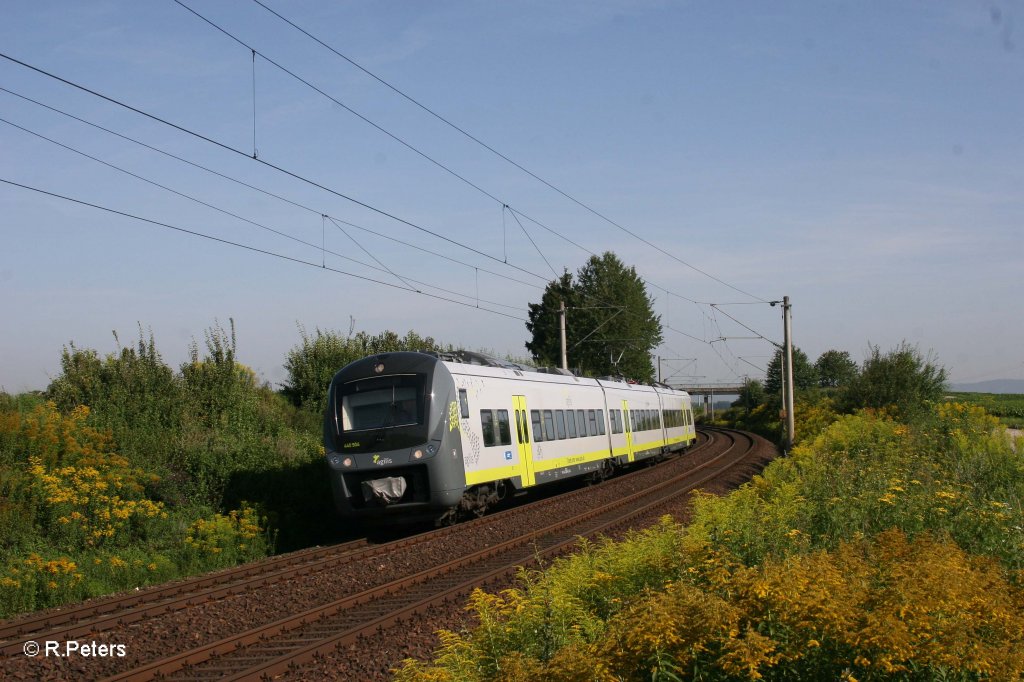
(381, 403)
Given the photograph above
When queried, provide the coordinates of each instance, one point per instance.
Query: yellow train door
(628, 428)
(523, 438)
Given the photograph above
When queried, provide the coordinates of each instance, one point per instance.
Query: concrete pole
(561, 320)
(787, 314)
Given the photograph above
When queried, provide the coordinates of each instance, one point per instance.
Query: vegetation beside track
(1007, 407)
(888, 545)
(126, 472)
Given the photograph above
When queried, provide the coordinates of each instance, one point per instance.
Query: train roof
(478, 364)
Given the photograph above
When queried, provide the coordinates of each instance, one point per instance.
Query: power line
(503, 156)
(293, 175)
(277, 168)
(248, 247)
(241, 153)
(382, 268)
(441, 165)
(267, 193)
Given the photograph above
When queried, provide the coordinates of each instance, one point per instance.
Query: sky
(864, 159)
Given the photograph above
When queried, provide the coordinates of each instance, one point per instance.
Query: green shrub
(902, 379)
(313, 363)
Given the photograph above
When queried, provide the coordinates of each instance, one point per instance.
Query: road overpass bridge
(710, 389)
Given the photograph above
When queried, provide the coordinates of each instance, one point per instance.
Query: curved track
(432, 571)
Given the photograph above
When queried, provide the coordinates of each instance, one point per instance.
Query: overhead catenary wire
(321, 247)
(268, 193)
(247, 247)
(229, 148)
(443, 166)
(494, 151)
(548, 263)
(483, 144)
(292, 174)
(367, 252)
(309, 181)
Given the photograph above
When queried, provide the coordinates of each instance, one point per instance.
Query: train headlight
(335, 460)
(347, 461)
(418, 454)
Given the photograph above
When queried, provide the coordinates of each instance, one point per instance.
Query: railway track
(275, 646)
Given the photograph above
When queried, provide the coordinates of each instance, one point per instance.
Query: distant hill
(993, 386)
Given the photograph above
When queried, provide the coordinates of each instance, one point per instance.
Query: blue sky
(863, 158)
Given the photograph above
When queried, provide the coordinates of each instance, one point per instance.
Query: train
(410, 435)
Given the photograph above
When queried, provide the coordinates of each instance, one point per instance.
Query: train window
(504, 431)
(549, 425)
(380, 402)
(538, 435)
(487, 426)
(616, 419)
(600, 422)
(560, 423)
(592, 420)
(570, 423)
(581, 422)
(464, 402)
(657, 418)
(632, 420)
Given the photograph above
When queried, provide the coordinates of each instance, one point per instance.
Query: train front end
(391, 438)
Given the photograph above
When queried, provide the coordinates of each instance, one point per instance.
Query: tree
(751, 395)
(611, 327)
(901, 378)
(804, 374)
(313, 363)
(546, 347)
(835, 368)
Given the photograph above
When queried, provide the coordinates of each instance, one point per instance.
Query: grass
(1007, 407)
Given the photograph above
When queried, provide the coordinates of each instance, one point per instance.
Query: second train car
(416, 435)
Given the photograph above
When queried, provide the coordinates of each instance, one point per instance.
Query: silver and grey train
(416, 435)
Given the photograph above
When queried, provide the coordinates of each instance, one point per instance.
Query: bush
(902, 379)
(870, 609)
(78, 520)
(313, 363)
(878, 550)
(949, 472)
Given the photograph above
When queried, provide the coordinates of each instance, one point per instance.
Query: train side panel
(531, 428)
